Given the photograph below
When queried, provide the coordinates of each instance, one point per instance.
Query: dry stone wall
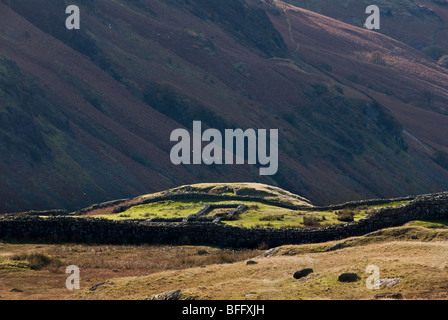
(90, 230)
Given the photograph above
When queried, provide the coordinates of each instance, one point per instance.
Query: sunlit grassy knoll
(433, 224)
(240, 189)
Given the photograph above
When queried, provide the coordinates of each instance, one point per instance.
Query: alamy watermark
(373, 21)
(220, 149)
(74, 20)
(73, 280)
(373, 281)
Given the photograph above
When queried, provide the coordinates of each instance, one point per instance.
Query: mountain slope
(103, 100)
(421, 24)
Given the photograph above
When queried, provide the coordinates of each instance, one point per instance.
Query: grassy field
(161, 209)
(417, 255)
(37, 271)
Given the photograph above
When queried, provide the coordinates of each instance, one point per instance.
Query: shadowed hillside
(421, 24)
(87, 114)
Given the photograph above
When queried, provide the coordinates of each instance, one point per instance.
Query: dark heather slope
(87, 114)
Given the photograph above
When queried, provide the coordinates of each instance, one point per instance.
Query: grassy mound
(241, 189)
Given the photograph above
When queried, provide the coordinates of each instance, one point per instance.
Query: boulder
(302, 273)
(388, 281)
(169, 295)
(348, 277)
(251, 262)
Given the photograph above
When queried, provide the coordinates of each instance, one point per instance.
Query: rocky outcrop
(166, 296)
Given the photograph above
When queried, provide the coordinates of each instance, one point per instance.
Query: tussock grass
(39, 270)
(36, 261)
(11, 265)
(310, 221)
(346, 215)
(223, 257)
(272, 217)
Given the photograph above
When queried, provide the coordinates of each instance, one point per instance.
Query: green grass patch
(388, 204)
(362, 211)
(432, 224)
(267, 216)
(12, 265)
(161, 209)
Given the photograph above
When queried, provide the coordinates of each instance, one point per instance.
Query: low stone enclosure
(220, 197)
(80, 229)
